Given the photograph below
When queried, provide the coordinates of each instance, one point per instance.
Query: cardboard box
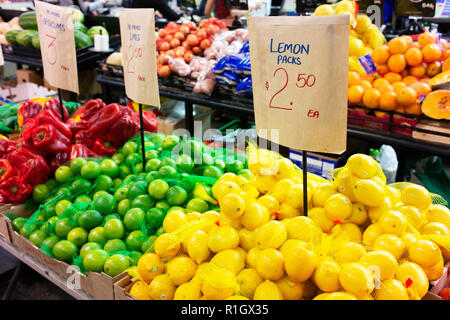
(319, 164)
(24, 76)
(25, 91)
(4, 231)
(122, 287)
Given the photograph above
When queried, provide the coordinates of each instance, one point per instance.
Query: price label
(137, 31)
(300, 76)
(421, 8)
(59, 59)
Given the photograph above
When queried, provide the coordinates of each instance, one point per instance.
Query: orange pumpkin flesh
(437, 104)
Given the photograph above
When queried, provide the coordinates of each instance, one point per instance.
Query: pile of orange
(405, 67)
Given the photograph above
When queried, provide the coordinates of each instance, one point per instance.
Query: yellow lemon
(383, 260)
(324, 10)
(408, 239)
(223, 237)
(412, 215)
(376, 212)
(242, 252)
(198, 246)
(193, 216)
(393, 222)
(301, 228)
(222, 188)
(270, 264)
(326, 276)
(338, 207)
(285, 169)
(371, 233)
(362, 166)
(356, 279)
(349, 252)
(369, 193)
(291, 243)
(322, 296)
(181, 270)
(425, 253)
(232, 205)
(261, 162)
(229, 259)
(394, 194)
(362, 23)
(271, 235)
(414, 278)
(290, 289)
(167, 245)
(140, 290)
(300, 264)
(390, 243)
(149, 266)
(347, 232)
(161, 288)
(417, 196)
(435, 272)
(255, 216)
(251, 191)
(252, 257)
(213, 293)
(267, 290)
(173, 220)
(247, 238)
(322, 192)
(287, 211)
(211, 215)
(344, 183)
(248, 280)
(336, 296)
(225, 220)
(320, 218)
(348, 6)
(270, 202)
(439, 213)
(237, 298)
(187, 291)
(435, 228)
(359, 214)
(294, 196)
(366, 297)
(279, 189)
(391, 289)
(265, 183)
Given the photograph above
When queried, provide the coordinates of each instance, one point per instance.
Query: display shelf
(43, 270)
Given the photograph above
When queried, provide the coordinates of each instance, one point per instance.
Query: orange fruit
(431, 52)
(371, 98)
(365, 84)
(445, 54)
(414, 108)
(388, 100)
(397, 63)
(408, 39)
(392, 77)
(380, 83)
(409, 80)
(406, 96)
(413, 57)
(421, 88)
(381, 54)
(353, 78)
(400, 110)
(413, 45)
(418, 71)
(426, 38)
(355, 94)
(398, 84)
(446, 65)
(433, 69)
(444, 43)
(425, 79)
(397, 46)
(382, 68)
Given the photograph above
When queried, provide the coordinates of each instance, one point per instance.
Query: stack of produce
(8, 118)
(361, 239)
(109, 211)
(13, 24)
(29, 36)
(405, 68)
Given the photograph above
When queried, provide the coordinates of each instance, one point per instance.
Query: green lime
(185, 163)
(94, 260)
(114, 229)
(213, 172)
(61, 206)
(132, 159)
(97, 235)
(151, 154)
(63, 227)
(136, 189)
(176, 208)
(110, 168)
(89, 246)
(51, 184)
(97, 193)
(104, 203)
(49, 242)
(111, 216)
(167, 161)
(155, 218)
(124, 171)
(152, 165)
(197, 205)
(37, 237)
(26, 232)
(115, 245)
(159, 232)
(18, 223)
(158, 189)
(134, 218)
(207, 159)
(176, 196)
(129, 147)
(134, 257)
(170, 141)
(82, 185)
(117, 157)
(123, 206)
(90, 170)
(162, 205)
(90, 219)
(245, 173)
(186, 184)
(144, 201)
(116, 264)
(63, 174)
(193, 149)
(76, 165)
(167, 172)
(78, 235)
(219, 163)
(157, 138)
(83, 199)
(235, 166)
(135, 240)
(40, 192)
(120, 194)
(64, 250)
(117, 182)
(151, 176)
(138, 168)
(103, 182)
(148, 243)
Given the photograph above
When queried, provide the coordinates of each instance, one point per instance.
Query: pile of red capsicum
(47, 141)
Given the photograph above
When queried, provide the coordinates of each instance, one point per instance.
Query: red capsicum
(20, 155)
(102, 121)
(125, 125)
(49, 117)
(50, 140)
(85, 137)
(6, 146)
(29, 109)
(34, 171)
(79, 150)
(54, 106)
(6, 170)
(103, 148)
(13, 190)
(150, 121)
(89, 109)
(58, 160)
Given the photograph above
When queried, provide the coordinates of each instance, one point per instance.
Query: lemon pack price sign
(137, 30)
(300, 76)
(59, 60)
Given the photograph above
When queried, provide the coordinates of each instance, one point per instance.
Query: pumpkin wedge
(437, 104)
(441, 81)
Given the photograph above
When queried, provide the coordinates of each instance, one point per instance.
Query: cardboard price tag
(59, 59)
(137, 31)
(300, 76)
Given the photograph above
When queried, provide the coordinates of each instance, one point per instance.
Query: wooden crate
(122, 287)
(437, 126)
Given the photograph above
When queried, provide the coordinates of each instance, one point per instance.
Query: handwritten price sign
(56, 36)
(137, 30)
(300, 76)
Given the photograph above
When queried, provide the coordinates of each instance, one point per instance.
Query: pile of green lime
(103, 214)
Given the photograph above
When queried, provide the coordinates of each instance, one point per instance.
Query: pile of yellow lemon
(364, 36)
(360, 240)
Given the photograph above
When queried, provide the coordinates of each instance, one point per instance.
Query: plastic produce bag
(387, 158)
